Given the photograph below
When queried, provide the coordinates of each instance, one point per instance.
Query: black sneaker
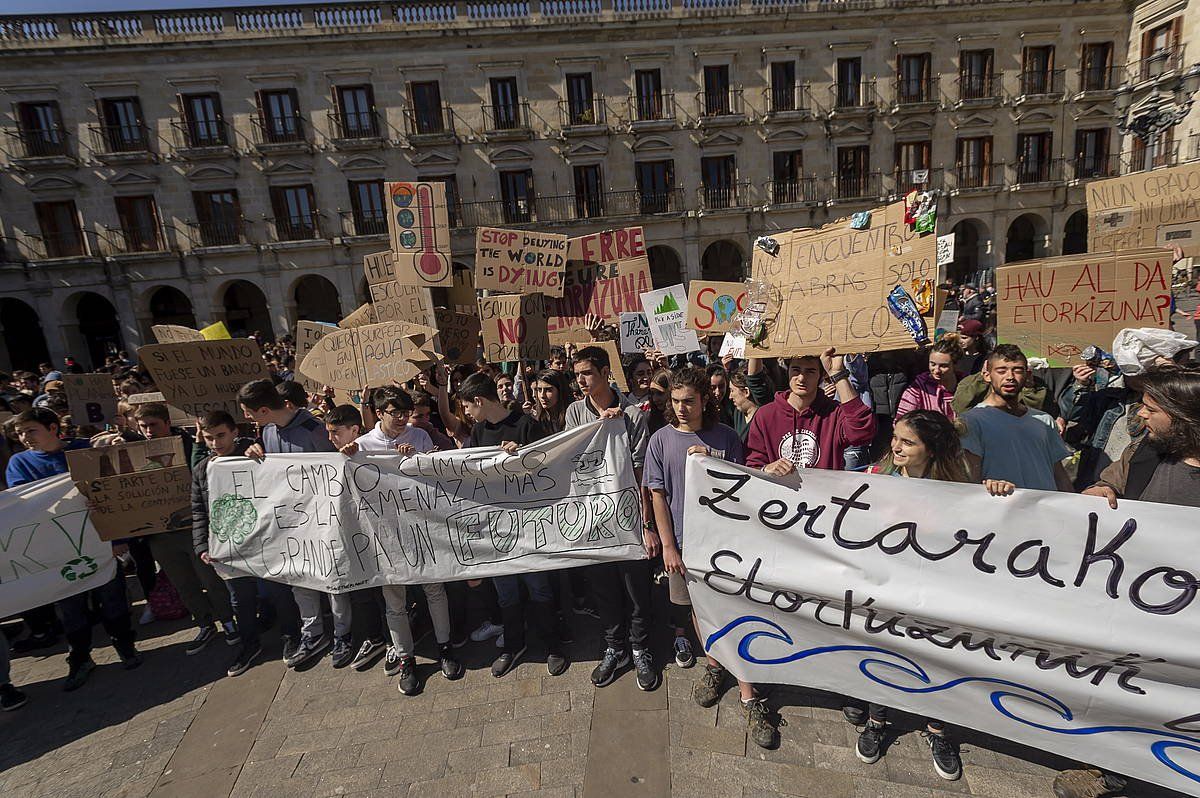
(855, 715)
(409, 685)
(391, 662)
(368, 652)
(342, 652)
(684, 657)
(243, 659)
(610, 664)
(34, 642)
(451, 668)
(583, 608)
(758, 722)
(556, 664)
(290, 644)
(204, 636)
(232, 636)
(506, 662)
(130, 657)
(78, 674)
(946, 760)
(309, 647)
(647, 674)
(870, 743)
(11, 698)
(707, 690)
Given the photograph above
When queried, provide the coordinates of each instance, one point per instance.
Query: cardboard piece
(829, 286)
(1159, 208)
(217, 331)
(458, 335)
(524, 261)
(461, 296)
(635, 334)
(379, 267)
(614, 360)
(135, 489)
(395, 302)
(945, 250)
(91, 399)
(419, 228)
(1056, 307)
(514, 327)
(307, 335)
(666, 309)
(174, 334)
(363, 314)
(713, 305)
(733, 345)
(200, 376)
(606, 274)
(178, 417)
(372, 355)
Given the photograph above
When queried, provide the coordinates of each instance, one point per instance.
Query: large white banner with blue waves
(1045, 618)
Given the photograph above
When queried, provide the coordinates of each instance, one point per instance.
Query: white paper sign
(1044, 618)
(733, 345)
(48, 548)
(945, 249)
(666, 310)
(338, 524)
(635, 334)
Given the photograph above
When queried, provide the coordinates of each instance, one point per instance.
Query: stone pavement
(178, 727)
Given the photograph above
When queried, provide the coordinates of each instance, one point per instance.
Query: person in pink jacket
(934, 389)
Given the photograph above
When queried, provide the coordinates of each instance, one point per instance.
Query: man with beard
(1005, 439)
(1162, 467)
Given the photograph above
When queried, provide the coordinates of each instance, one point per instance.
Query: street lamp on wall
(1157, 112)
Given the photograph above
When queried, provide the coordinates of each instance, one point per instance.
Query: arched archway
(316, 299)
(969, 235)
(722, 260)
(169, 305)
(23, 337)
(1075, 234)
(1026, 239)
(99, 330)
(246, 310)
(665, 268)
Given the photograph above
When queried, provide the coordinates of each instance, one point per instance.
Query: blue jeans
(541, 610)
(114, 615)
(508, 588)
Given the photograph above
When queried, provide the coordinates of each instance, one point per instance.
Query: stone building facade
(190, 166)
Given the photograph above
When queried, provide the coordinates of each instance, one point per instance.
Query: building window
(122, 127)
(1161, 49)
(787, 169)
(1159, 150)
(716, 90)
(589, 192)
(366, 203)
(59, 223)
(852, 171)
(138, 217)
(655, 183)
(204, 124)
(506, 104)
(718, 177)
(516, 195)
(1091, 154)
(913, 81)
(356, 112)
(849, 89)
(976, 79)
(279, 113)
(295, 209)
(1096, 73)
(41, 129)
(973, 162)
(649, 95)
(912, 166)
(581, 105)
(453, 201)
(1037, 70)
(426, 98)
(219, 216)
(1033, 157)
(783, 87)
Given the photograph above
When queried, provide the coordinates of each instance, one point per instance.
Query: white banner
(337, 523)
(48, 548)
(1044, 618)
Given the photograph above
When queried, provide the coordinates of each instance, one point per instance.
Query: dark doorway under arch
(23, 335)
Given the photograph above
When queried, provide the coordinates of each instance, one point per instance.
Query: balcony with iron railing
(1040, 85)
(1154, 157)
(280, 134)
(565, 208)
(582, 117)
(507, 120)
(855, 186)
(853, 96)
(977, 176)
(1094, 167)
(977, 89)
(60, 245)
(724, 196)
(792, 192)
(363, 223)
(202, 138)
(218, 233)
(1160, 63)
(121, 140)
(355, 128)
(301, 227)
(720, 106)
(135, 240)
(906, 180)
(786, 102)
(429, 125)
(1193, 148)
(32, 144)
(915, 93)
(1095, 80)
(650, 110)
(1035, 172)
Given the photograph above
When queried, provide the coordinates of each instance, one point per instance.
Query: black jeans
(367, 613)
(878, 713)
(114, 615)
(243, 595)
(622, 594)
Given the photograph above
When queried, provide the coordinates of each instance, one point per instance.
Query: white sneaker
(147, 616)
(486, 629)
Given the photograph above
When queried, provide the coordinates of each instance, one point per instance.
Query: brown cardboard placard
(458, 334)
(91, 398)
(419, 230)
(522, 261)
(200, 376)
(713, 306)
(614, 360)
(514, 327)
(1158, 208)
(461, 296)
(379, 267)
(307, 335)
(363, 314)
(395, 302)
(88, 465)
(175, 334)
(363, 356)
(606, 274)
(178, 417)
(137, 488)
(1056, 307)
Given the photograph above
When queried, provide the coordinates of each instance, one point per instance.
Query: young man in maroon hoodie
(804, 428)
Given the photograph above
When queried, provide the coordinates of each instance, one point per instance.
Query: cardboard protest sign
(712, 305)
(733, 345)
(458, 335)
(135, 489)
(828, 287)
(1159, 208)
(199, 376)
(51, 549)
(635, 334)
(379, 267)
(514, 327)
(178, 417)
(307, 335)
(216, 331)
(174, 334)
(461, 296)
(614, 360)
(91, 398)
(569, 499)
(665, 310)
(945, 250)
(364, 314)
(524, 261)
(419, 228)
(1056, 307)
(370, 356)
(606, 274)
(395, 302)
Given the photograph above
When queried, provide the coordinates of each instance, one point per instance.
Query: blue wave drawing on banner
(1168, 740)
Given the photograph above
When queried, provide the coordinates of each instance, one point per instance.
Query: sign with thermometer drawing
(419, 227)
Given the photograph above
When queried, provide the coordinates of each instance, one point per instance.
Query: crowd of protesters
(963, 409)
